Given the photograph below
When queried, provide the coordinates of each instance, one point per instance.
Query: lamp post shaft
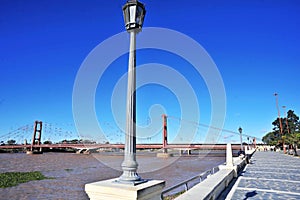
(241, 139)
(278, 110)
(129, 165)
(280, 123)
(286, 119)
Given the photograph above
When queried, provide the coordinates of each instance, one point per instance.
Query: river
(69, 172)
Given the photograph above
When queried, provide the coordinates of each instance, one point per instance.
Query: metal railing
(188, 184)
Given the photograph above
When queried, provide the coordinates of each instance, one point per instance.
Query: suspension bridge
(24, 133)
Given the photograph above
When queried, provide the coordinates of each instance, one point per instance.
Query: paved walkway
(270, 175)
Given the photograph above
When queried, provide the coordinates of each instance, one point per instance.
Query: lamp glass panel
(139, 15)
(132, 13)
(126, 15)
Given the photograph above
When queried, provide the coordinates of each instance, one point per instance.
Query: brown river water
(69, 172)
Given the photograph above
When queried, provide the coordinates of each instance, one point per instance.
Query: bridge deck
(121, 146)
(270, 175)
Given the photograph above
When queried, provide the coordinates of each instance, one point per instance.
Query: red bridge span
(37, 145)
(121, 146)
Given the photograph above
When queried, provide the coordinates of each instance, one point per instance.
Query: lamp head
(134, 14)
(240, 130)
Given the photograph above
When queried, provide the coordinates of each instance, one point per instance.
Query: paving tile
(270, 185)
(270, 175)
(254, 194)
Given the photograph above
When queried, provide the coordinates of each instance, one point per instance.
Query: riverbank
(70, 172)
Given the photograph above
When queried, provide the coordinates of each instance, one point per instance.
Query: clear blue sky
(254, 44)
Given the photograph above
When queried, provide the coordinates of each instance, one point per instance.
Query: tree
(48, 142)
(75, 141)
(86, 141)
(291, 128)
(11, 142)
(290, 132)
(271, 138)
(293, 122)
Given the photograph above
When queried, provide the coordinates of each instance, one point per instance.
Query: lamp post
(280, 123)
(240, 131)
(248, 141)
(286, 119)
(134, 13)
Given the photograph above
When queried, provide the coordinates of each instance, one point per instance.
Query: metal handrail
(200, 177)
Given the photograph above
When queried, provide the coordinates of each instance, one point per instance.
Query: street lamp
(240, 131)
(280, 122)
(134, 13)
(248, 141)
(286, 119)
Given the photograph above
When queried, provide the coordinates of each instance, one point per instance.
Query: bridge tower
(165, 134)
(36, 137)
(165, 153)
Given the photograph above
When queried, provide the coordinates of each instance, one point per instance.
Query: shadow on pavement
(250, 194)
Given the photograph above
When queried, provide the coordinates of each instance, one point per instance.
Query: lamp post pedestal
(111, 190)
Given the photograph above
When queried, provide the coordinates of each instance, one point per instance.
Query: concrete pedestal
(229, 161)
(164, 155)
(111, 190)
(34, 152)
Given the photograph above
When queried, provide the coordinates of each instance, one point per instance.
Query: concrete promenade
(270, 175)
